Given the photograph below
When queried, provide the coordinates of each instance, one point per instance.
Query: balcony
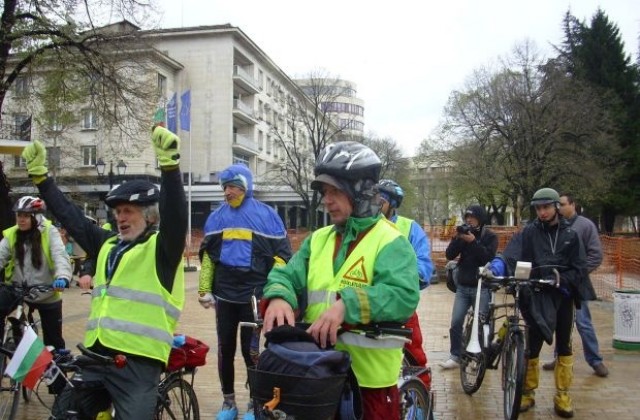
(243, 112)
(245, 144)
(244, 80)
(14, 138)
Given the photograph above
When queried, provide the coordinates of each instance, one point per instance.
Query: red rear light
(120, 360)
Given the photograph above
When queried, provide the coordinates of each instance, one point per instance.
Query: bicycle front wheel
(177, 400)
(415, 402)
(472, 366)
(9, 392)
(513, 371)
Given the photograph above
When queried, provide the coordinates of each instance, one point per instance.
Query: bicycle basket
(311, 379)
(191, 354)
(300, 397)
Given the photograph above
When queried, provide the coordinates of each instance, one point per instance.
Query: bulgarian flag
(30, 360)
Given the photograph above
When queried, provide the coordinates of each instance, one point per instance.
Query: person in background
(391, 196)
(32, 253)
(243, 240)
(360, 270)
(591, 241)
(476, 245)
(139, 282)
(548, 243)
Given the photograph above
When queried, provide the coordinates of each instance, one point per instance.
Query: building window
(54, 124)
(89, 119)
(19, 162)
(162, 86)
(21, 86)
(88, 155)
(53, 156)
(238, 158)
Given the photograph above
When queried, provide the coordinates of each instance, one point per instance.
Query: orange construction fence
(620, 268)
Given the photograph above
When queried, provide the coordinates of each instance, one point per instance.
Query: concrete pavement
(594, 397)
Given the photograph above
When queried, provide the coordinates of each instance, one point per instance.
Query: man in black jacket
(476, 245)
(139, 283)
(549, 242)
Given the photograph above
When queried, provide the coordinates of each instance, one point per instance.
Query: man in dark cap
(475, 245)
(139, 282)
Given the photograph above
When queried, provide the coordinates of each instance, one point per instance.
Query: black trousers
(228, 315)
(564, 328)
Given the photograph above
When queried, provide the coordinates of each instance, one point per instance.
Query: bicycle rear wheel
(472, 366)
(513, 371)
(9, 392)
(177, 400)
(415, 402)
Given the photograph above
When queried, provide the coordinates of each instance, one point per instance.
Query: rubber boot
(530, 384)
(563, 373)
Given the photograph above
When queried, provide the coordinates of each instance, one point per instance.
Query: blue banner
(185, 111)
(172, 111)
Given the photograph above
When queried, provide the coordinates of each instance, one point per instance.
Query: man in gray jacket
(591, 241)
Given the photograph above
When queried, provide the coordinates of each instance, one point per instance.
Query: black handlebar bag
(311, 380)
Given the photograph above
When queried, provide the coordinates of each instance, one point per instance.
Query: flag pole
(189, 268)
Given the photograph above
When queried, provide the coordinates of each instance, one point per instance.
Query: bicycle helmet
(391, 192)
(138, 192)
(29, 204)
(545, 196)
(353, 168)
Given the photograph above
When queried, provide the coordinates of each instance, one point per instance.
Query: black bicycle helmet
(138, 191)
(29, 204)
(392, 190)
(348, 160)
(353, 168)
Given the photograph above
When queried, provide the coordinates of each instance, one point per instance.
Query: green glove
(166, 145)
(35, 155)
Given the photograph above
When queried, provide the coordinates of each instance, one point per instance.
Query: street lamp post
(121, 168)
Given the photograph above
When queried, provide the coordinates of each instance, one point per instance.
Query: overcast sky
(406, 57)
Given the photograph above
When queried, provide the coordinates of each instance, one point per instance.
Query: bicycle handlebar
(502, 280)
(89, 358)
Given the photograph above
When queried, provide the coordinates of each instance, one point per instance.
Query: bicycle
(176, 397)
(416, 401)
(485, 347)
(10, 390)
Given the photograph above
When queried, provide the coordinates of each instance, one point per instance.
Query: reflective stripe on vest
(148, 329)
(12, 236)
(375, 364)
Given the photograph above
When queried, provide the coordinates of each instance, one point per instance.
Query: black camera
(464, 229)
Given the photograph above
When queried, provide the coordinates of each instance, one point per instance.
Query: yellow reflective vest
(133, 313)
(404, 226)
(12, 234)
(376, 363)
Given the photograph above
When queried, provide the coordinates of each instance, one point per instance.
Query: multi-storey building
(238, 95)
(339, 99)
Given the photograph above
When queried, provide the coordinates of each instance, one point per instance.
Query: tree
(397, 168)
(523, 127)
(306, 127)
(595, 54)
(65, 56)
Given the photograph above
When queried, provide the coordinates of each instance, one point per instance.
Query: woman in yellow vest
(359, 270)
(32, 253)
(139, 282)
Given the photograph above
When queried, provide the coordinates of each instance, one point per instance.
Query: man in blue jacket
(244, 239)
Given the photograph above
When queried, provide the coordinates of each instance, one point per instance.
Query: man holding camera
(476, 245)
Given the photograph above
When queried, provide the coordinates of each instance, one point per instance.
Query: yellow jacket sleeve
(207, 269)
